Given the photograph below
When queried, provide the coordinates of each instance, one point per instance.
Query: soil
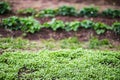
(81, 34)
(42, 4)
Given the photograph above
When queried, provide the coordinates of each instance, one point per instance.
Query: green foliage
(89, 11)
(67, 43)
(87, 24)
(101, 28)
(11, 43)
(12, 23)
(55, 24)
(27, 11)
(29, 24)
(113, 13)
(70, 64)
(46, 13)
(116, 27)
(4, 7)
(96, 43)
(72, 26)
(67, 11)
(70, 43)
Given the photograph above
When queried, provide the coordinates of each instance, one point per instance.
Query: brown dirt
(82, 34)
(41, 4)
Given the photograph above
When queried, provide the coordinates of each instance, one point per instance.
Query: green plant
(27, 11)
(46, 13)
(96, 43)
(89, 11)
(4, 7)
(116, 27)
(114, 13)
(65, 64)
(67, 11)
(72, 26)
(100, 28)
(87, 24)
(55, 24)
(70, 43)
(11, 43)
(29, 25)
(12, 23)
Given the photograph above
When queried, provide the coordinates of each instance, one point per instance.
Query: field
(70, 40)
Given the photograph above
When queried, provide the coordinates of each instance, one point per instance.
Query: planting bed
(82, 34)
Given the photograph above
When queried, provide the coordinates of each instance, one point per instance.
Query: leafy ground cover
(67, 59)
(65, 64)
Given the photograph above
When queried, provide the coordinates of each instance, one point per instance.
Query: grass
(65, 59)
(67, 64)
(12, 43)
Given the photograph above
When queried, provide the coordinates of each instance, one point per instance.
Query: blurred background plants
(4, 7)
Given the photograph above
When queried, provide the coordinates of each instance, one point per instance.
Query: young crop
(55, 24)
(72, 26)
(47, 13)
(113, 13)
(67, 11)
(4, 7)
(100, 28)
(12, 23)
(87, 24)
(29, 25)
(27, 11)
(89, 11)
(116, 27)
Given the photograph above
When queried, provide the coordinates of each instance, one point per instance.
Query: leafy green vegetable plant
(89, 11)
(12, 23)
(72, 26)
(46, 13)
(113, 13)
(55, 24)
(27, 11)
(87, 24)
(100, 27)
(116, 27)
(4, 7)
(67, 11)
(29, 25)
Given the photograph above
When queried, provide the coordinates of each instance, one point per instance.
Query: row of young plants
(91, 11)
(31, 25)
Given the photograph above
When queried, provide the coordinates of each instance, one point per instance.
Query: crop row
(91, 11)
(31, 25)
